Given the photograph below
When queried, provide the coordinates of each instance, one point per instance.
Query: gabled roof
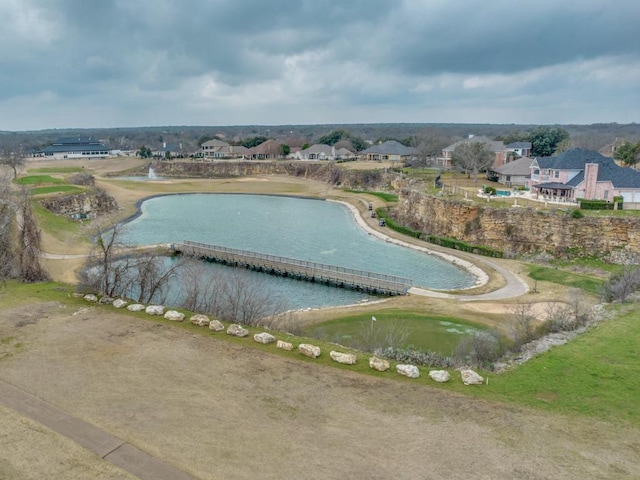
(319, 148)
(268, 147)
(391, 147)
(519, 145)
(573, 159)
(494, 145)
(608, 170)
(521, 166)
(215, 143)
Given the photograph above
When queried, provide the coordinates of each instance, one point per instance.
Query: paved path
(110, 448)
(514, 288)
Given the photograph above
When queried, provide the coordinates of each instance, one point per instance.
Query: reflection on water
(306, 229)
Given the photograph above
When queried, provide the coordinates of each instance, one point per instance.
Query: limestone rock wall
(323, 172)
(519, 230)
(84, 205)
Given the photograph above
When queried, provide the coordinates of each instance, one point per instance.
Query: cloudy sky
(109, 63)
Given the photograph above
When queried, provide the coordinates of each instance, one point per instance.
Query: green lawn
(387, 197)
(55, 189)
(425, 332)
(38, 180)
(53, 224)
(35, 171)
(597, 374)
(587, 283)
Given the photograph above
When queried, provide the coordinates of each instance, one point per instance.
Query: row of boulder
(469, 377)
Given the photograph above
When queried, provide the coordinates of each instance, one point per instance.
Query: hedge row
(600, 204)
(442, 241)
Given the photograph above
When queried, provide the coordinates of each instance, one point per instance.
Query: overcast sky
(121, 63)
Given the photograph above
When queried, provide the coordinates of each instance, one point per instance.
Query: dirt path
(219, 410)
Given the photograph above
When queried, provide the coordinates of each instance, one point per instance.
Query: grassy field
(423, 331)
(596, 375)
(47, 170)
(55, 225)
(387, 197)
(588, 283)
(38, 180)
(68, 189)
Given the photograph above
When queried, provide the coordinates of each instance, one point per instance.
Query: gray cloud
(149, 62)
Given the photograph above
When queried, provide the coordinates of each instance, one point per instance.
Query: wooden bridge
(300, 269)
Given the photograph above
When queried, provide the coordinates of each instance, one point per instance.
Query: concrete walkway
(112, 449)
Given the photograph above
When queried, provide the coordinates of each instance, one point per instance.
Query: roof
(76, 141)
(74, 144)
(555, 185)
(495, 146)
(215, 143)
(521, 166)
(391, 147)
(319, 148)
(268, 147)
(608, 170)
(519, 145)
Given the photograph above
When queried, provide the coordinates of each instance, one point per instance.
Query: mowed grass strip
(70, 189)
(38, 180)
(439, 334)
(55, 225)
(387, 197)
(36, 171)
(588, 283)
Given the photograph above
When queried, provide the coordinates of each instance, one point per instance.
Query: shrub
(417, 357)
(480, 348)
(576, 213)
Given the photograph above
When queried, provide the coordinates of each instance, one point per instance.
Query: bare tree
(472, 158)
(12, 158)
(621, 285)
(19, 235)
(522, 324)
(430, 144)
(29, 239)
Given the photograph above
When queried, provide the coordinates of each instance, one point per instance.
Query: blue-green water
(292, 227)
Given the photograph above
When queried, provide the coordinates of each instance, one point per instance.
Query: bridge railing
(255, 257)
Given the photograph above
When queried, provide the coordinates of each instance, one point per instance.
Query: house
(390, 150)
(219, 149)
(74, 147)
(497, 147)
(321, 151)
(522, 149)
(266, 150)
(318, 151)
(516, 173)
(169, 150)
(579, 173)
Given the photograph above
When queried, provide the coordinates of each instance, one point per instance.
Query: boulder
(440, 376)
(106, 300)
(410, 371)
(379, 364)
(200, 320)
(90, 297)
(264, 338)
(135, 307)
(309, 350)
(119, 303)
(216, 325)
(174, 316)
(154, 310)
(237, 330)
(284, 345)
(469, 377)
(346, 358)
